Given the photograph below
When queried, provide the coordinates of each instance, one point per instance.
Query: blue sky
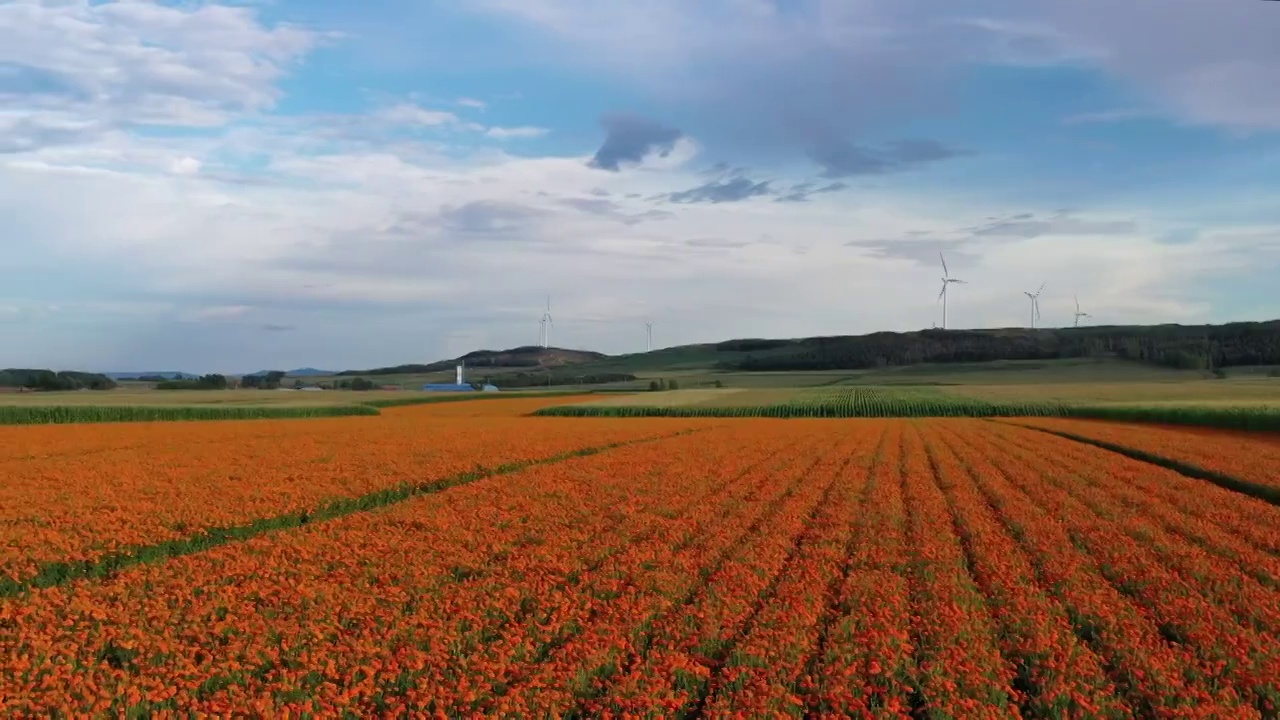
(231, 186)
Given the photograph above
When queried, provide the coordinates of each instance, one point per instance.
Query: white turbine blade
(944, 264)
(962, 282)
(1040, 290)
(1077, 303)
(944, 292)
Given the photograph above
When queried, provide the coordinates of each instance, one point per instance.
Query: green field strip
(64, 414)
(917, 402)
(794, 410)
(1222, 480)
(61, 573)
(469, 397)
(67, 414)
(1222, 417)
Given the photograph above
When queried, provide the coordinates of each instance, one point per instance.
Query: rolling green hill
(1184, 347)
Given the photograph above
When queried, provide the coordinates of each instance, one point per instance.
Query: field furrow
(864, 664)
(1180, 541)
(1218, 652)
(762, 675)
(290, 596)
(961, 672)
(1158, 678)
(581, 615)
(193, 477)
(1233, 527)
(677, 648)
(807, 568)
(1251, 457)
(1057, 673)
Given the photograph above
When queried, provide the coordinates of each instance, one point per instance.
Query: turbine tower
(946, 280)
(1078, 313)
(648, 336)
(547, 324)
(1035, 305)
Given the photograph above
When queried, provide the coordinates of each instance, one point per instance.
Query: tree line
(1191, 347)
(37, 379)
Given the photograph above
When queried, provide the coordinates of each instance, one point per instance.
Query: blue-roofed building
(448, 387)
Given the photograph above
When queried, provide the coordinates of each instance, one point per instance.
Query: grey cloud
(1024, 227)
(269, 327)
(1211, 63)
(588, 205)
(845, 159)
(803, 191)
(488, 217)
(924, 252)
(23, 134)
(612, 210)
(629, 138)
(771, 81)
(716, 243)
(718, 191)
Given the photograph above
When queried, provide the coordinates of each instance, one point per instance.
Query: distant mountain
(166, 374)
(528, 356)
(297, 373)
(309, 372)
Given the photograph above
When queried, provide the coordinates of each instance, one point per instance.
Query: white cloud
(472, 103)
(144, 63)
(221, 312)
(503, 133)
(1204, 62)
(185, 166)
(351, 237)
(410, 114)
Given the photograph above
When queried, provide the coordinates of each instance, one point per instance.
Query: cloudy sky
(239, 185)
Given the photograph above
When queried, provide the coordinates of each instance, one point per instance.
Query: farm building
(447, 387)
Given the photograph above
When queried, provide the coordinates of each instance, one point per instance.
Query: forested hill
(50, 380)
(525, 357)
(1181, 346)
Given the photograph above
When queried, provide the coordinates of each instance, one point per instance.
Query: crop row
(1250, 458)
(884, 402)
(942, 568)
(829, 402)
(464, 589)
(65, 414)
(143, 485)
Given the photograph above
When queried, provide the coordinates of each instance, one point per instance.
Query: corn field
(45, 415)
(880, 402)
(833, 402)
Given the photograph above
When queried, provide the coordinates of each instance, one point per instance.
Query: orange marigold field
(1251, 457)
(754, 568)
(84, 491)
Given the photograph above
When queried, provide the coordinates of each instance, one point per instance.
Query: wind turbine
(946, 280)
(547, 324)
(1035, 304)
(1078, 313)
(648, 332)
